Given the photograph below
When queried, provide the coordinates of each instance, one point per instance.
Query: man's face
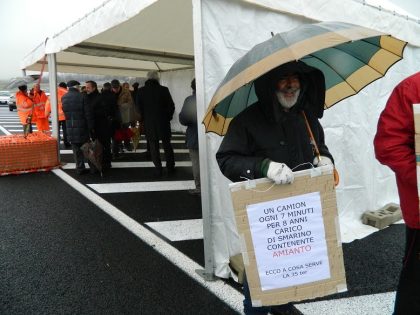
(36, 87)
(288, 90)
(89, 88)
(116, 89)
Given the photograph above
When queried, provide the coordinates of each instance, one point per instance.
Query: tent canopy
(135, 36)
(128, 39)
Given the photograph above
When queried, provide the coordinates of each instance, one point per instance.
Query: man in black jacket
(103, 113)
(79, 122)
(156, 107)
(270, 138)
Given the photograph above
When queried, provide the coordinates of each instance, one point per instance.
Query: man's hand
(324, 161)
(280, 173)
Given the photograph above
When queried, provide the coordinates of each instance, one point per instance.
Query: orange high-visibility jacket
(24, 106)
(60, 92)
(39, 100)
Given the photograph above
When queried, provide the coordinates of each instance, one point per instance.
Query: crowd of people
(86, 114)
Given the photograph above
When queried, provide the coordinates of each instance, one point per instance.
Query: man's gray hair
(153, 75)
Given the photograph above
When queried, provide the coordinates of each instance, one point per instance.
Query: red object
(123, 134)
(394, 145)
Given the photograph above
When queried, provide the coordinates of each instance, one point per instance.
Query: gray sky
(24, 24)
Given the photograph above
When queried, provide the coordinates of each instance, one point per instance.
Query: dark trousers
(169, 153)
(62, 125)
(407, 301)
(30, 128)
(106, 155)
(78, 157)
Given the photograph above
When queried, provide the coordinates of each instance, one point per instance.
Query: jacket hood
(312, 90)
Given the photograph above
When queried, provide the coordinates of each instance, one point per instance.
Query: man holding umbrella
(276, 135)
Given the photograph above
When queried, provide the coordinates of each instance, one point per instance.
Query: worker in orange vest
(39, 98)
(24, 106)
(62, 89)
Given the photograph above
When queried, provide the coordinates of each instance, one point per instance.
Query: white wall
(179, 84)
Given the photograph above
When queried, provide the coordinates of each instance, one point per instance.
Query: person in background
(135, 90)
(40, 98)
(123, 101)
(79, 122)
(395, 147)
(62, 89)
(106, 87)
(127, 106)
(24, 106)
(156, 108)
(102, 113)
(188, 117)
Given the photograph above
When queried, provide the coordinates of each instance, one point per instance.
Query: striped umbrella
(350, 57)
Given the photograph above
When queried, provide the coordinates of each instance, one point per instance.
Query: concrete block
(383, 217)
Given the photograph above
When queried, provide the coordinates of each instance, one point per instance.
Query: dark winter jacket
(265, 131)
(396, 146)
(156, 107)
(109, 100)
(102, 114)
(79, 116)
(188, 117)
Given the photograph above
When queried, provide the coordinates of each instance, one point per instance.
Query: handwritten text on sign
(289, 241)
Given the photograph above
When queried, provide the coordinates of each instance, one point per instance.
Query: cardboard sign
(290, 237)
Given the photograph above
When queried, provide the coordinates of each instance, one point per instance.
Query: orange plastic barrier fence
(38, 152)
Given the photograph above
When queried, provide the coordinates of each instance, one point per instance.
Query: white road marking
(142, 186)
(373, 304)
(132, 164)
(172, 141)
(5, 131)
(181, 230)
(131, 152)
(223, 291)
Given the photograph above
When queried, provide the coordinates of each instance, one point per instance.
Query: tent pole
(52, 72)
(208, 272)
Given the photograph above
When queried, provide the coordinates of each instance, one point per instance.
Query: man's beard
(288, 102)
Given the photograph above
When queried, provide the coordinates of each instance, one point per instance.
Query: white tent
(132, 36)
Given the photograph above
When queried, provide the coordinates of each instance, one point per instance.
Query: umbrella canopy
(16, 82)
(349, 56)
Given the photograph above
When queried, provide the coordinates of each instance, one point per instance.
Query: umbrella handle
(311, 136)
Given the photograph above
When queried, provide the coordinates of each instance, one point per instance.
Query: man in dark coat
(79, 122)
(103, 112)
(188, 117)
(156, 107)
(270, 138)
